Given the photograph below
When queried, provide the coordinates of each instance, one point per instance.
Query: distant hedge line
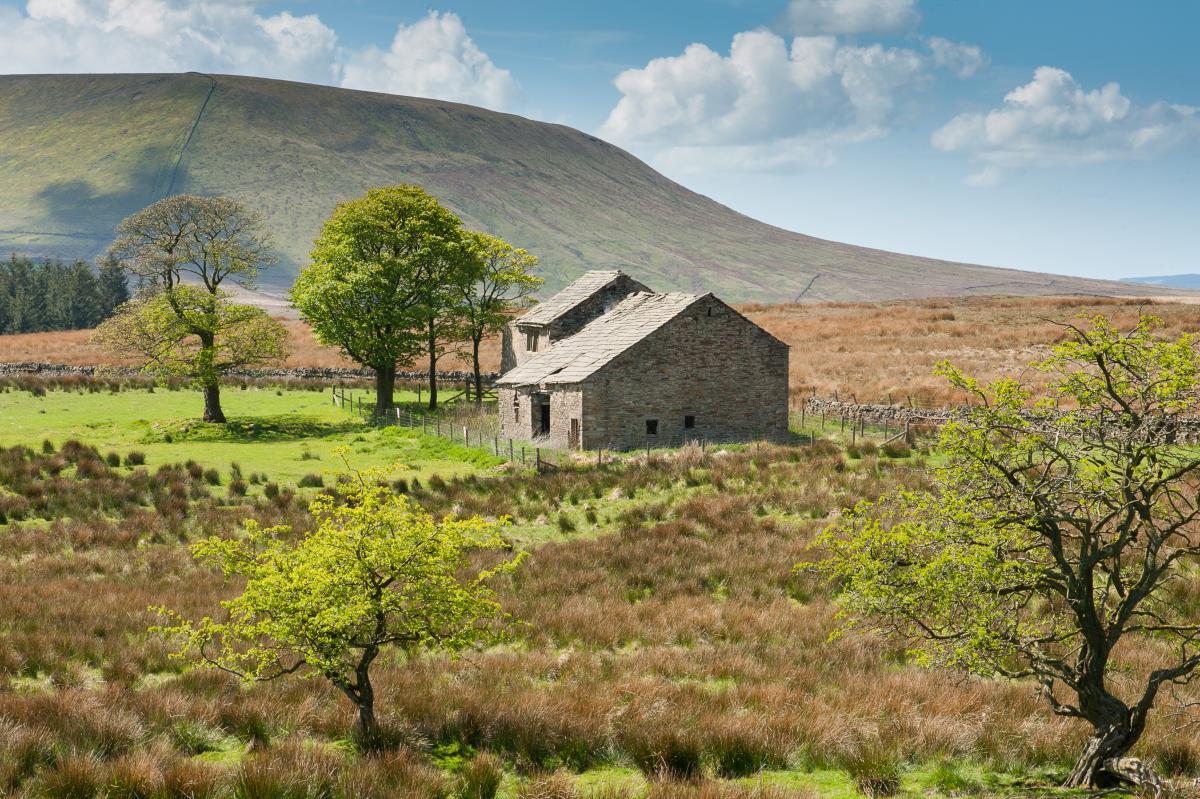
(37, 296)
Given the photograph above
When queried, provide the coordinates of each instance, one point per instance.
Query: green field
(283, 433)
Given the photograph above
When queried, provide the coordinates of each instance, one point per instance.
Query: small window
(531, 341)
(651, 427)
(689, 423)
(516, 407)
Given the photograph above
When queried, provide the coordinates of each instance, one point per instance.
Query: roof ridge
(577, 357)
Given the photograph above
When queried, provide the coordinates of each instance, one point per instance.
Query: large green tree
(1057, 534)
(375, 276)
(497, 281)
(183, 249)
(377, 572)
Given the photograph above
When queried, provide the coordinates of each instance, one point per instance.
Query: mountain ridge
(80, 152)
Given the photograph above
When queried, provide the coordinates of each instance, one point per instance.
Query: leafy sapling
(377, 572)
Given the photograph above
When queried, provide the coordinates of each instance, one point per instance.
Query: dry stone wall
(1183, 431)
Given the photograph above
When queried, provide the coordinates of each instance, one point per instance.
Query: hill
(80, 152)
(1172, 281)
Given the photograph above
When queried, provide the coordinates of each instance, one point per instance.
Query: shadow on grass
(282, 427)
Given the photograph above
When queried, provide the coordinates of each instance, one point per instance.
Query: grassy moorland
(666, 647)
(863, 350)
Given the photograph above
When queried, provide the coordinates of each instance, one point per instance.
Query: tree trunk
(212, 404)
(385, 388)
(368, 727)
(432, 366)
(475, 367)
(1103, 763)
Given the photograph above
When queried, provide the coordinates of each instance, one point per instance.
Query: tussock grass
(669, 635)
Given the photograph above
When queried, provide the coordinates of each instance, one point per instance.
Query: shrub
(947, 779)
(312, 480)
(565, 524)
(738, 752)
(48, 447)
(557, 785)
(76, 777)
(289, 770)
(394, 775)
(481, 777)
(193, 737)
(896, 449)
(874, 769)
(112, 459)
(662, 749)
(135, 458)
(134, 776)
(237, 487)
(212, 477)
(189, 779)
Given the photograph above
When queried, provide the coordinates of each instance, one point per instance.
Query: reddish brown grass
(868, 351)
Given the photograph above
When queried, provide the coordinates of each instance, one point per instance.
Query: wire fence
(478, 427)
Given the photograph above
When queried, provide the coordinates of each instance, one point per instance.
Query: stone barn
(647, 369)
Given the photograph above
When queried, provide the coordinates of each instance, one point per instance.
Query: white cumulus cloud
(164, 36)
(768, 104)
(964, 60)
(433, 57)
(811, 17)
(1054, 121)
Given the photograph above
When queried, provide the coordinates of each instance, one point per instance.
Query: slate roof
(583, 287)
(578, 357)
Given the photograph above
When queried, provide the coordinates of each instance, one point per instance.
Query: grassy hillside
(78, 153)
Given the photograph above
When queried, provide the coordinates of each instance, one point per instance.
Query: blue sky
(1061, 136)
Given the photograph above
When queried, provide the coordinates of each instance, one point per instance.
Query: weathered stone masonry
(650, 370)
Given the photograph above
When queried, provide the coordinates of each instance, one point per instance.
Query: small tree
(184, 248)
(498, 282)
(371, 266)
(1050, 537)
(377, 572)
(187, 332)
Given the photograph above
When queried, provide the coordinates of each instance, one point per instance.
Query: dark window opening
(545, 420)
(710, 311)
(516, 408)
(651, 427)
(689, 422)
(531, 341)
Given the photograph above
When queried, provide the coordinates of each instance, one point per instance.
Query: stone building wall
(593, 307)
(710, 363)
(513, 344)
(517, 409)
